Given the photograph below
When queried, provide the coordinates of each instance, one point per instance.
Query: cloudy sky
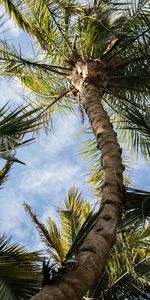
(53, 165)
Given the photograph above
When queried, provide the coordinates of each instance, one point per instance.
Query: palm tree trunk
(107, 143)
(93, 252)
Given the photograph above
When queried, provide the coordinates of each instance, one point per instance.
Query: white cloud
(12, 28)
(10, 90)
(50, 162)
(12, 219)
(51, 175)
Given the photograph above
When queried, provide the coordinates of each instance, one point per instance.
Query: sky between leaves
(53, 164)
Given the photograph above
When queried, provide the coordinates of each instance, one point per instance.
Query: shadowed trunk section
(93, 252)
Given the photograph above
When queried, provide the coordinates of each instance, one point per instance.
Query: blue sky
(53, 165)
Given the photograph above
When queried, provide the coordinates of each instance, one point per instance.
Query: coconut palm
(127, 269)
(98, 52)
(20, 271)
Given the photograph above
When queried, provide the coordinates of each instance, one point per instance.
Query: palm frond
(13, 127)
(14, 10)
(137, 281)
(72, 215)
(128, 266)
(129, 119)
(50, 236)
(46, 88)
(99, 24)
(137, 207)
(3, 21)
(26, 20)
(20, 272)
(57, 240)
(82, 233)
(134, 25)
(5, 172)
(12, 62)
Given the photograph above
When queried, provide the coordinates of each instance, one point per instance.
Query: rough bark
(107, 143)
(93, 252)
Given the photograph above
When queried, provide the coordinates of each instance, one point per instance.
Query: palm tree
(20, 271)
(127, 269)
(97, 51)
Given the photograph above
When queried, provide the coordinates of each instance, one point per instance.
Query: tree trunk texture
(93, 252)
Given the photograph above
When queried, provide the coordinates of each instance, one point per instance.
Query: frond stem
(61, 32)
(61, 95)
(128, 44)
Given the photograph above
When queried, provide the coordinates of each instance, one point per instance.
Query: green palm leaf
(72, 215)
(49, 235)
(12, 62)
(13, 126)
(40, 20)
(128, 267)
(46, 89)
(14, 10)
(131, 125)
(137, 207)
(5, 171)
(20, 276)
